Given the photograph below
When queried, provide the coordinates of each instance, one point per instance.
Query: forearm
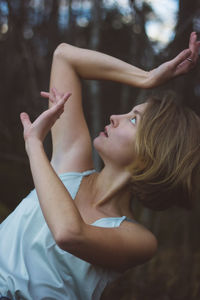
(90, 64)
(58, 207)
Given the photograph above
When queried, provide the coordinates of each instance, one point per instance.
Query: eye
(133, 120)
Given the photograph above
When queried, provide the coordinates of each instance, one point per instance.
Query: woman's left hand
(181, 64)
(42, 125)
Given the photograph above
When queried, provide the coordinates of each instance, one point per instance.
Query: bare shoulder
(119, 248)
(135, 226)
(146, 241)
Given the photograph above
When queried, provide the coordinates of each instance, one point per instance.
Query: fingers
(193, 37)
(56, 93)
(194, 47)
(40, 127)
(45, 94)
(25, 120)
(55, 96)
(181, 57)
(193, 41)
(58, 108)
(187, 59)
(49, 96)
(66, 96)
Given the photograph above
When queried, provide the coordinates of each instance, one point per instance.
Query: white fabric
(33, 267)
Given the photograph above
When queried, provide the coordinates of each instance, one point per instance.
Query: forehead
(140, 108)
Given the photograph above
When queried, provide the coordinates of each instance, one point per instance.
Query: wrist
(151, 79)
(32, 144)
(140, 78)
(147, 82)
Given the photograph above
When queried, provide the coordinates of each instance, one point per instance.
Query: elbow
(152, 248)
(67, 239)
(60, 50)
(64, 51)
(147, 251)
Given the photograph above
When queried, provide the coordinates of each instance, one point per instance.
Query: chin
(97, 143)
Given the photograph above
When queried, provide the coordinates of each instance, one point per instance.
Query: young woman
(73, 234)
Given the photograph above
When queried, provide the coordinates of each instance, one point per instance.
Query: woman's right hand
(38, 130)
(181, 64)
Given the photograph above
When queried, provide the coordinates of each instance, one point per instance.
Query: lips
(106, 132)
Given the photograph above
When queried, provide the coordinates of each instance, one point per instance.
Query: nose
(114, 120)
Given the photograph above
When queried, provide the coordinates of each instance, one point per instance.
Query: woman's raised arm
(91, 64)
(93, 244)
(71, 140)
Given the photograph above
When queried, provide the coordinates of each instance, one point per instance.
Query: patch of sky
(4, 8)
(4, 17)
(122, 5)
(80, 10)
(37, 12)
(37, 4)
(83, 8)
(63, 16)
(160, 25)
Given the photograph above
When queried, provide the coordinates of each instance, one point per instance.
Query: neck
(112, 190)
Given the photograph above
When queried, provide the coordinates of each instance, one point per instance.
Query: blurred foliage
(30, 30)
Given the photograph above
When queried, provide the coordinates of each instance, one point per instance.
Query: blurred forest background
(142, 32)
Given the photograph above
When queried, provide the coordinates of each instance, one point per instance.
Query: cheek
(125, 140)
(124, 147)
(117, 148)
(125, 152)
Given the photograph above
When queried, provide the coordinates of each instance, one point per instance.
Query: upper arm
(117, 248)
(72, 150)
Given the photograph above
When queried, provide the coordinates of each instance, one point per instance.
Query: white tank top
(33, 267)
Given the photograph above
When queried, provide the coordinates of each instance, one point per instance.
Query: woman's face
(116, 143)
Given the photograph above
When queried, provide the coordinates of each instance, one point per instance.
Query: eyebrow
(137, 112)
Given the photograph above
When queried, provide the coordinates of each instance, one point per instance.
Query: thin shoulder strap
(130, 220)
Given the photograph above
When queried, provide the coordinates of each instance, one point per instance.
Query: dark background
(30, 30)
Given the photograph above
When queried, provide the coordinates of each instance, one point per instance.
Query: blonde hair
(167, 170)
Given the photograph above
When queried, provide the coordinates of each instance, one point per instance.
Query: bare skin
(104, 194)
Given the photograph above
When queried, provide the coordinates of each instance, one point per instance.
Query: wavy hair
(167, 170)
